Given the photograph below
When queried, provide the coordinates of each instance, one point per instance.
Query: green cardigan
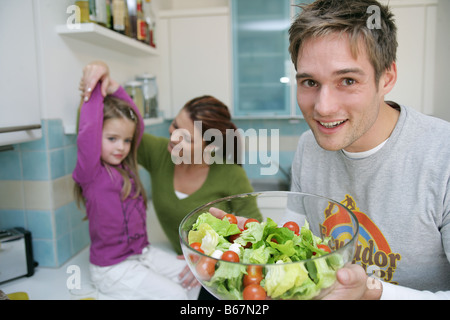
(223, 180)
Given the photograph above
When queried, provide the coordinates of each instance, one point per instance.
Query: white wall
(442, 84)
(189, 4)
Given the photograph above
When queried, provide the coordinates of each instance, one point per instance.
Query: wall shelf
(101, 36)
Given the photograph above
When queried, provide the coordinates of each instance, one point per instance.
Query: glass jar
(134, 90)
(150, 91)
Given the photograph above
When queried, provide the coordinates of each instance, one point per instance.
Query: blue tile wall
(58, 232)
(11, 166)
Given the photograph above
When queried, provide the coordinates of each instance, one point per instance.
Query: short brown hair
(350, 17)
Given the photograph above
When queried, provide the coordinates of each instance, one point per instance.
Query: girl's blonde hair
(115, 108)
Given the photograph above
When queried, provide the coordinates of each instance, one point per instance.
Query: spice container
(134, 90)
(150, 92)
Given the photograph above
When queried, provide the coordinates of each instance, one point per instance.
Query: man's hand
(354, 284)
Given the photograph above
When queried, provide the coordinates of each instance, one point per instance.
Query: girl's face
(116, 140)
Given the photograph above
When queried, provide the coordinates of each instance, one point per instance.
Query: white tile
(11, 195)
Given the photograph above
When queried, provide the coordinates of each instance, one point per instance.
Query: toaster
(16, 254)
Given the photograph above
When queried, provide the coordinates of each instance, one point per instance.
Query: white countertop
(50, 283)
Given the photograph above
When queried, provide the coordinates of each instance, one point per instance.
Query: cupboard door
(199, 59)
(20, 118)
(415, 57)
(262, 66)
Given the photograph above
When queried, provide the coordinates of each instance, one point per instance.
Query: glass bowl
(273, 262)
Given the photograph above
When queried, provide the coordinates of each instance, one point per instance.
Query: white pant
(151, 275)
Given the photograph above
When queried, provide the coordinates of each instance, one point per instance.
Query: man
(391, 163)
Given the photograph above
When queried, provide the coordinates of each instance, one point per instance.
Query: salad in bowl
(293, 254)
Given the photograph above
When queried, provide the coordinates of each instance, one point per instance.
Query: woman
(181, 179)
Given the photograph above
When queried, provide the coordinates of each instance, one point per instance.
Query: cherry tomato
(205, 268)
(291, 225)
(253, 276)
(197, 246)
(230, 256)
(230, 217)
(254, 292)
(324, 247)
(254, 269)
(248, 221)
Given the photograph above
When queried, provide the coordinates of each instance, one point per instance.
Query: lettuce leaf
(280, 279)
(205, 235)
(259, 255)
(228, 280)
(222, 227)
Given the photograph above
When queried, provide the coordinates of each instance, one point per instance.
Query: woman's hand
(93, 73)
(220, 214)
(186, 277)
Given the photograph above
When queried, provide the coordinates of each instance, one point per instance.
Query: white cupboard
(416, 23)
(197, 59)
(20, 117)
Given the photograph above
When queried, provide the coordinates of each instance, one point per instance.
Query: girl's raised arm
(89, 141)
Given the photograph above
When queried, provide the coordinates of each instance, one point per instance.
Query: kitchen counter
(50, 283)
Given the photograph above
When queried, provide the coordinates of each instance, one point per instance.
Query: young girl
(122, 263)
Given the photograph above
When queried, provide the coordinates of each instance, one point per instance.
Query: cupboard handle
(20, 128)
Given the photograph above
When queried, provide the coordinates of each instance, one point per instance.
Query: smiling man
(339, 97)
(389, 161)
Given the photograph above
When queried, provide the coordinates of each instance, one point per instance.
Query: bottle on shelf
(150, 19)
(119, 15)
(132, 9)
(127, 19)
(141, 24)
(101, 14)
(108, 14)
(83, 5)
(97, 12)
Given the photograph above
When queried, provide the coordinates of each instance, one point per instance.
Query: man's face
(337, 94)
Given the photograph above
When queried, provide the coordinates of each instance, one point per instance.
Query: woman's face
(186, 142)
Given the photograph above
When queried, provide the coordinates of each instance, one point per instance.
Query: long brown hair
(115, 108)
(214, 114)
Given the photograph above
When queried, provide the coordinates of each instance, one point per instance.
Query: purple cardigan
(117, 228)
